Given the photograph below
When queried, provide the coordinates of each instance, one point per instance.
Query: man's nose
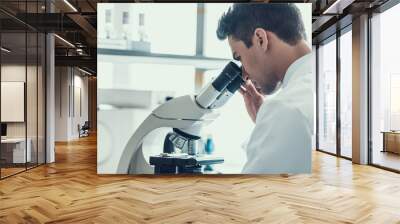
(245, 75)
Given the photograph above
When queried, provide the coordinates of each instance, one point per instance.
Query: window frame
(334, 37)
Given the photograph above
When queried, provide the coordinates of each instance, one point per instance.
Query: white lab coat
(281, 139)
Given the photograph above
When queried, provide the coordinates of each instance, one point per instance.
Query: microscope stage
(184, 160)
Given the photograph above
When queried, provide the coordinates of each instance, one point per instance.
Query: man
(269, 41)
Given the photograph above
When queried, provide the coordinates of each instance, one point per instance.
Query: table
(13, 150)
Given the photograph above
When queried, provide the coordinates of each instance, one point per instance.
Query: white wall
(33, 126)
(70, 83)
(16, 73)
(61, 111)
(79, 117)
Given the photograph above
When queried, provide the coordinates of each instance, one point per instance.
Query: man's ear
(260, 38)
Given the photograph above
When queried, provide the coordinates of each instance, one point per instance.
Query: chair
(84, 130)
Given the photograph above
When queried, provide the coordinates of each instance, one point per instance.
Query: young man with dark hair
(269, 41)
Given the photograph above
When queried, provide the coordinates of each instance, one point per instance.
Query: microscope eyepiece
(235, 84)
(230, 72)
(217, 92)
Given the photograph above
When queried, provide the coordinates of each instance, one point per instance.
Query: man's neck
(290, 55)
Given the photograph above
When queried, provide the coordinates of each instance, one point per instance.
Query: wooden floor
(70, 191)
(387, 159)
(10, 171)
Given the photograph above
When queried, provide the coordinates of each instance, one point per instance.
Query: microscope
(186, 115)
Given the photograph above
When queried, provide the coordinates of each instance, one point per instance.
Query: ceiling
(77, 23)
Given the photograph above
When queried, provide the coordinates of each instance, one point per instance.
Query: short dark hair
(283, 19)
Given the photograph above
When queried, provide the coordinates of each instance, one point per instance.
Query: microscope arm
(186, 113)
(133, 153)
(181, 112)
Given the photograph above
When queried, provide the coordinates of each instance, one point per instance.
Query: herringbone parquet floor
(70, 191)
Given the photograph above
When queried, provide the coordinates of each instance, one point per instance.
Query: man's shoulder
(275, 108)
(296, 101)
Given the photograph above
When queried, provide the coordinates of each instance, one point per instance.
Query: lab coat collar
(295, 66)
